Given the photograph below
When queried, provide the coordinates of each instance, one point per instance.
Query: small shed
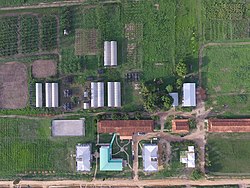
(175, 98)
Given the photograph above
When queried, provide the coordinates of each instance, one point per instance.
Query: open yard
(226, 79)
(44, 68)
(229, 153)
(14, 85)
(27, 148)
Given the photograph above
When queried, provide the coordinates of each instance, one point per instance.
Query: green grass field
(229, 153)
(27, 148)
(225, 76)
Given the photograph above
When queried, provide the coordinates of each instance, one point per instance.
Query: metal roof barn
(55, 95)
(48, 94)
(83, 157)
(113, 53)
(150, 158)
(117, 94)
(189, 94)
(39, 95)
(68, 127)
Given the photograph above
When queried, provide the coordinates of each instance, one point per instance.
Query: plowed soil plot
(14, 85)
(44, 68)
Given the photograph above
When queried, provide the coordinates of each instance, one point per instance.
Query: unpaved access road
(140, 183)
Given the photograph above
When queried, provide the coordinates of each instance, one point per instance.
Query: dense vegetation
(49, 33)
(29, 34)
(8, 35)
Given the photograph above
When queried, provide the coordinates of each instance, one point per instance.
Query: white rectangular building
(97, 94)
(189, 94)
(189, 158)
(48, 95)
(100, 94)
(94, 95)
(83, 158)
(111, 100)
(150, 157)
(55, 99)
(107, 53)
(39, 95)
(110, 53)
(114, 94)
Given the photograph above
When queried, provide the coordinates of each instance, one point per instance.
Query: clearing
(44, 68)
(225, 78)
(14, 85)
(229, 153)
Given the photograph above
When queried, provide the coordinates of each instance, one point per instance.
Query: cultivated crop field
(229, 153)
(225, 20)
(226, 78)
(27, 148)
(21, 34)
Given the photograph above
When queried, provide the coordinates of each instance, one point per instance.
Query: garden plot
(44, 68)
(14, 85)
(86, 42)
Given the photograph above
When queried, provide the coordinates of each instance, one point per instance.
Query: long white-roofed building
(117, 94)
(100, 94)
(94, 94)
(189, 94)
(111, 99)
(39, 95)
(55, 99)
(113, 53)
(110, 53)
(83, 157)
(48, 94)
(107, 53)
(150, 157)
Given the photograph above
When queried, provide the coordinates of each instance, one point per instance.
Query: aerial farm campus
(124, 93)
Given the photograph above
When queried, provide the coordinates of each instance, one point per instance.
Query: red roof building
(180, 126)
(125, 128)
(229, 125)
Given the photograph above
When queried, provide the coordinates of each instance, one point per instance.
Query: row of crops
(27, 34)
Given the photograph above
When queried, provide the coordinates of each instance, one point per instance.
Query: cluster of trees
(67, 18)
(154, 98)
(181, 71)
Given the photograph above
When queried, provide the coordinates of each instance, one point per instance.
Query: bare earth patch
(14, 85)
(44, 68)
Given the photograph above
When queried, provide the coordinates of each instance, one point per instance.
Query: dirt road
(141, 183)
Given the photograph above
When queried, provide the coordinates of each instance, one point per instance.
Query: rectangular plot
(29, 34)
(8, 36)
(49, 33)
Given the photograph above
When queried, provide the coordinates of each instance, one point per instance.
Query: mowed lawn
(229, 153)
(225, 76)
(27, 148)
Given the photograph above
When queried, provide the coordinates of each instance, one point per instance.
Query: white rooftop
(175, 98)
(68, 127)
(150, 157)
(83, 157)
(189, 160)
(189, 94)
